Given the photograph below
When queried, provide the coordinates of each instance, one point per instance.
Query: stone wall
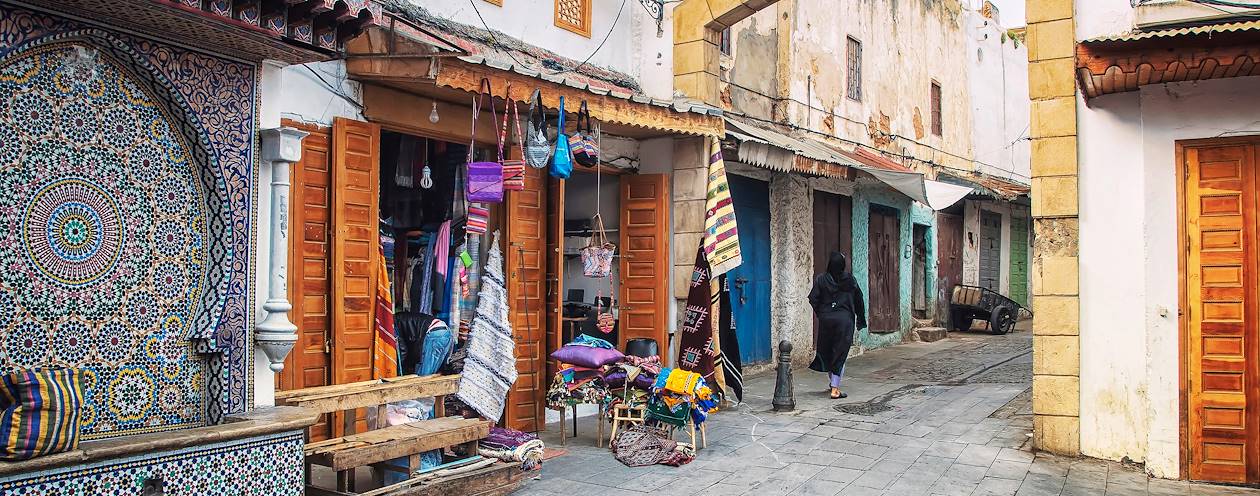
(792, 259)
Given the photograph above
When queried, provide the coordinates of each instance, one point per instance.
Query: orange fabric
(385, 345)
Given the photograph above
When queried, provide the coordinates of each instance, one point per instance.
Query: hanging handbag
(562, 161)
(485, 179)
(583, 143)
(598, 255)
(536, 147)
(604, 319)
(513, 170)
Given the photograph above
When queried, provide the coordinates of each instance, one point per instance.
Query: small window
(574, 15)
(725, 43)
(854, 56)
(936, 109)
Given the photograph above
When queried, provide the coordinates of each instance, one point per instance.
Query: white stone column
(276, 334)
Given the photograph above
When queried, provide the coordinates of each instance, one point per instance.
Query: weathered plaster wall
(752, 66)
(868, 193)
(905, 46)
(972, 241)
(304, 98)
(792, 259)
(1096, 18)
(1129, 398)
(998, 79)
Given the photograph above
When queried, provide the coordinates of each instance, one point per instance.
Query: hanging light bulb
(433, 116)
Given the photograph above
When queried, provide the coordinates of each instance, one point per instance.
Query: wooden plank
(498, 479)
(370, 393)
(398, 441)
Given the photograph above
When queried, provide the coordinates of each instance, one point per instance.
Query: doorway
(919, 276)
(990, 250)
(833, 231)
(750, 282)
(884, 269)
(1218, 205)
(949, 264)
(585, 297)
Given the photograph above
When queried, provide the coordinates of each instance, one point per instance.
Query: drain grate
(883, 402)
(865, 409)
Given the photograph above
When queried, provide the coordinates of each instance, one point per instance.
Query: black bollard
(784, 401)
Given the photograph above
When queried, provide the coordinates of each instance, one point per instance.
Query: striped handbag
(39, 412)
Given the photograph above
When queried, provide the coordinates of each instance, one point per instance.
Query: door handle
(739, 284)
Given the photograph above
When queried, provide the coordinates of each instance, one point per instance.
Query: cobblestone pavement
(945, 418)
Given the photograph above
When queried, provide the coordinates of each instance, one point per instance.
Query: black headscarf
(837, 278)
(836, 265)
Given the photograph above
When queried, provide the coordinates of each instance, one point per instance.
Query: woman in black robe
(837, 301)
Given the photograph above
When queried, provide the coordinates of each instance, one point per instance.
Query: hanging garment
(696, 343)
(442, 247)
(732, 366)
(426, 281)
(721, 237)
(490, 367)
(405, 164)
(385, 344)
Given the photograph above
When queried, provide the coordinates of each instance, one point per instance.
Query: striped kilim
(385, 344)
(721, 237)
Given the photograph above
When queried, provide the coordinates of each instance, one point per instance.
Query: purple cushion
(586, 356)
(615, 379)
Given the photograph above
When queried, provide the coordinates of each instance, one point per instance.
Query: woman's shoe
(843, 395)
(836, 394)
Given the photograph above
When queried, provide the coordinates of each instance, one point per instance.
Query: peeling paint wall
(792, 259)
(752, 65)
(869, 192)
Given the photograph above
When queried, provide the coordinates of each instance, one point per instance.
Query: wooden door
(991, 251)
(643, 309)
(1019, 259)
(555, 272)
(356, 192)
(884, 270)
(1220, 312)
(310, 287)
(750, 282)
(525, 220)
(833, 231)
(949, 266)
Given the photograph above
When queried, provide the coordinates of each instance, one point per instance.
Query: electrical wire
(793, 100)
(334, 89)
(493, 39)
(1226, 3)
(601, 43)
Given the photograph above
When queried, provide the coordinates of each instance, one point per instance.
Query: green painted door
(1019, 259)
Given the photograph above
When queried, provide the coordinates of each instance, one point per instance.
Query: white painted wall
(1128, 255)
(1096, 18)
(998, 77)
(303, 97)
(971, 242)
(633, 46)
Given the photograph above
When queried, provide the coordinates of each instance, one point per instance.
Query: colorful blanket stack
(679, 392)
(511, 445)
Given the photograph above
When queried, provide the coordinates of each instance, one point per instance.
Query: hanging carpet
(490, 367)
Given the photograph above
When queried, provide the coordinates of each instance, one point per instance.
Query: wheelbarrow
(968, 303)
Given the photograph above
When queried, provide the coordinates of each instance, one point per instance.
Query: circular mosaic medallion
(71, 231)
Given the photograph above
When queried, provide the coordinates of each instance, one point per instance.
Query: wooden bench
(381, 443)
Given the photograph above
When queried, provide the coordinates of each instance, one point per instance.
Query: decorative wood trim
(584, 29)
(498, 3)
(1116, 67)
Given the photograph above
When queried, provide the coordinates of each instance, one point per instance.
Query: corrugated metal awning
(1171, 33)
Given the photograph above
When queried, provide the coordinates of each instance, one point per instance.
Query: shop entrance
(884, 269)
(585, 297)
(1219, 280)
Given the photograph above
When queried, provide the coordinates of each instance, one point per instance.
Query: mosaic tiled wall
(126, 175)
(270, 466)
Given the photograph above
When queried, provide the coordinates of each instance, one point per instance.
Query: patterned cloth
(40, 412)
(490, 367)
(721, 238)
(696, 351)
(641, 446)
(385, 344)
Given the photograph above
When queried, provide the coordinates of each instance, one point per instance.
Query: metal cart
(968, 303)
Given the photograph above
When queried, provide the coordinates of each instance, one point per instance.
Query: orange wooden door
(644, 297)
(310, 363)
(355, 211)
(555, 273)
(1220, 312)
(524, 244)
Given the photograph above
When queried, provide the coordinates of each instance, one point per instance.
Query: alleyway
(944, 418)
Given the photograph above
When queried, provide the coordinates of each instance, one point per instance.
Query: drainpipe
(276, 334)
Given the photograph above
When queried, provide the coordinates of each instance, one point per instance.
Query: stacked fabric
(582, 377)
(511, 445)
(679, 393)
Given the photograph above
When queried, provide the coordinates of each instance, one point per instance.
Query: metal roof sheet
(1230, 27)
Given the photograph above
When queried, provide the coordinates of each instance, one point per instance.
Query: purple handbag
(485, 179)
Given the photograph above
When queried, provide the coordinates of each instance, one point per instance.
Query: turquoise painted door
(750, 282)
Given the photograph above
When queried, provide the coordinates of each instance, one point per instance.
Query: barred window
(574, 15)
(937, 125)
(855, 69)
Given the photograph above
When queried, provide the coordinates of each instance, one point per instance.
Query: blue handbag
(562, 161)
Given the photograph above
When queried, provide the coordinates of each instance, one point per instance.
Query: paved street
(945, 418)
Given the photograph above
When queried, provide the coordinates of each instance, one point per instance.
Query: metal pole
(784, 399)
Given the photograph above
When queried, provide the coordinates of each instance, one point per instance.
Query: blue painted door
(750, 282)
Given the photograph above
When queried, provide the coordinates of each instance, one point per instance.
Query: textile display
(511, 445)
(442, 248)
(571, 386)
(490, 366)
(586, 356)
(642, 446)
(721, 236)
(681, 391)
(385, 342)
(584, 340)
(485, 182)
(732, 365)
(39, 412)
(695, 350)
(537, 148)
(478, 218)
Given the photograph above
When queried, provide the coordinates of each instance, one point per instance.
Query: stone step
(930, 334)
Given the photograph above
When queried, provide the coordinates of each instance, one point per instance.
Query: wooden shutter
(356, 192)
(525, 221)
(310, 287)
(1220, 313)
(645, 272)
(555, 272)
(937, 124)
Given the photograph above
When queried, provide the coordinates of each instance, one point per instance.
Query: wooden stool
(599, 439)
(691, 431)
(621, 412)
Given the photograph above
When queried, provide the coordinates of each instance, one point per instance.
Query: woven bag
(597, 256)
(584, 143)
(536, 147)
(485, 179)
